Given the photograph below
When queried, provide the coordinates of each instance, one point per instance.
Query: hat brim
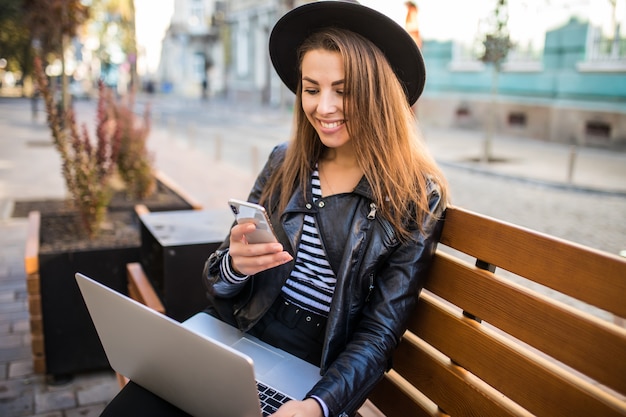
(393, 40)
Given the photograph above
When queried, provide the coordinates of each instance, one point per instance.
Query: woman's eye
(310, 90)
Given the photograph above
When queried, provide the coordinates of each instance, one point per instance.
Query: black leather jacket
(378, 282)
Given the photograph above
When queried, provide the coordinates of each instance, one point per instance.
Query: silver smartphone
(246, 212)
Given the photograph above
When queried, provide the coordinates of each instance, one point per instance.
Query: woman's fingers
(249, 259)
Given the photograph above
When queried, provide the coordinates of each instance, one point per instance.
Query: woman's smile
(331, 125)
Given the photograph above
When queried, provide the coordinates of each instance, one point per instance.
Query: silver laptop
(203, 365)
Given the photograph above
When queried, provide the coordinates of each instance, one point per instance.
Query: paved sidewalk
(29, 169)
(550, 164)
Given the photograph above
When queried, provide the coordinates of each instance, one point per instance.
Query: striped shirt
(312, 281)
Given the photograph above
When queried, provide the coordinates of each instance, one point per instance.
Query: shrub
(134, 162)
(87, 169)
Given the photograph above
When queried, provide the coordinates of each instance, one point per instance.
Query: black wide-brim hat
(393, 40)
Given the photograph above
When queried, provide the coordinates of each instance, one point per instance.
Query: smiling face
(323, 79)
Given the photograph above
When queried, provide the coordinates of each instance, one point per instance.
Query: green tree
(120, 13)
(15, 40)
(52, 23)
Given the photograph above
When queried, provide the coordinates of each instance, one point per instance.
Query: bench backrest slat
(519, 373)
(447, 385)
(556, 329)
(588, 275)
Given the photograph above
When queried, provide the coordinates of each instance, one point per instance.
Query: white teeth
(331, 125)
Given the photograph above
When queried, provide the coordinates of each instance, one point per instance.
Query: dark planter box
(71, 342)
(64, 340)
(174, 247)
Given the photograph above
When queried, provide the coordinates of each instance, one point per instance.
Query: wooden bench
(487, 340)
(511, 323)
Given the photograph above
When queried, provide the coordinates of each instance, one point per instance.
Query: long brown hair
(381, 124)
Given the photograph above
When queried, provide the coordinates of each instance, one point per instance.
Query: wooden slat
(167, 181)
(573, 337)
(140, 288)
(540, 386)
(141, 209)
(393, 397)
(38, 347)
(449, 386)
(368, 409)
(39, 365)
(31, 250)
(36, 325)
(121, 380)
(592, 276)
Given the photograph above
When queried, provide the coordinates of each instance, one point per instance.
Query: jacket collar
(302, 200)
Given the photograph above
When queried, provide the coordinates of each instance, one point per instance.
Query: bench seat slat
(530, 380)
(557, 330)
(140, 289)
(558, 264)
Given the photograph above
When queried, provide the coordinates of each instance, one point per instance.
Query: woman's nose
(328, 103)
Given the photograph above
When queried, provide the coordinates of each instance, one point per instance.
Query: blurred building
(573, 90)
(103, 49)
(192, 54)
(250, 73)
(219, 48)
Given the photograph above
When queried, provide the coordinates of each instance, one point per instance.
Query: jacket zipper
(372, 214)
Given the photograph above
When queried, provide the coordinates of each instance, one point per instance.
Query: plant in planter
(87, 169)
(97, 233)
(134, 162)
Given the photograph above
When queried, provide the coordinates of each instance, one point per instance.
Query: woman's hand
(249, 259)
(306, 408)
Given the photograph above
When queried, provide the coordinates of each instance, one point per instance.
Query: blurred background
(556, 67)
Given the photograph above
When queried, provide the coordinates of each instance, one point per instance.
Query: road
(248, 133)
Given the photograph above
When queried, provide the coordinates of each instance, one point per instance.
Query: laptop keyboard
(271, 399)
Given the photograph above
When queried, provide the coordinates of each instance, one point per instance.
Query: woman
(354, 198)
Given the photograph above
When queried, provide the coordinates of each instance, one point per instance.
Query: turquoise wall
(559, 77)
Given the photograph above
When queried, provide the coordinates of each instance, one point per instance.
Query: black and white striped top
(312, 281)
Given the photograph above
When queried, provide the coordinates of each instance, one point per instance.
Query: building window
(598, 130)
(196, 15)
(517, 119)
(462, 111)
(242, 47)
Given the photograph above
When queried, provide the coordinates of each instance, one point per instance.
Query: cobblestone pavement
(212, 151)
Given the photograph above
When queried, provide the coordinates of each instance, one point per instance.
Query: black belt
(294, 316)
